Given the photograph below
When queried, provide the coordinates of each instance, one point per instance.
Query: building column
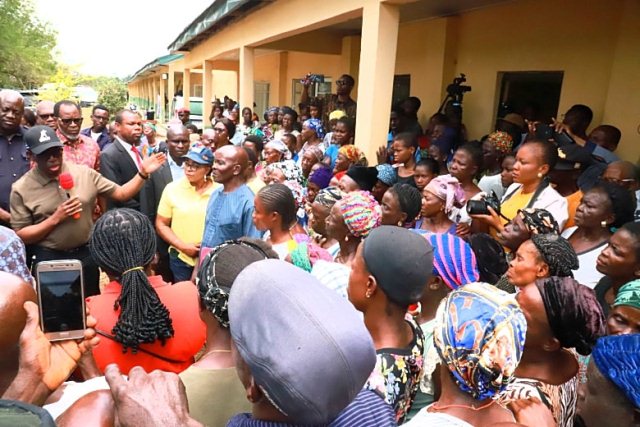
(186, 86)
(207, 87)
(380, 23)
(160, 115)
(171, 93)
(245, 73)
(154, 95)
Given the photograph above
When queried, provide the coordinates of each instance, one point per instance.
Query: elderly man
(13, 151)
(56, 225)
(230, 209)
(99, 131)
(44, 114)
(208, 138)
(78, 149)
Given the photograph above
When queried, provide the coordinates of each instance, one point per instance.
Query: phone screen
(61, 300)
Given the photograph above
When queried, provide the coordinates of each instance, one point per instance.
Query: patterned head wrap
(557, 253)
(479, 335)
(447, 189)
(539, 221)
(328, 197)
(618, 359)
(306, 254)
(316, 125)
(453, 260)
(337, 114)
(573, 312)
(321, 176)
(353, 154)
(279, 146)
(361, 212)
(316, 151)
(289, 168)
(298, 193)
(629, 295)
(151, 125)
(502, 141)
(387, 174)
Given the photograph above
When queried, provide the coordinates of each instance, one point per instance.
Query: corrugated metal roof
(162, 60)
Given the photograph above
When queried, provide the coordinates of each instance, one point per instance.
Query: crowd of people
(266, 273)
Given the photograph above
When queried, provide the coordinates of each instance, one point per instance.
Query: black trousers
(90, 271)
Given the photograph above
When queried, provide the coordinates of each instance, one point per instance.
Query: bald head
(14, 292)
(11, 110)
(176, 129)
(623, 173)
(229, 165)
(44, 114)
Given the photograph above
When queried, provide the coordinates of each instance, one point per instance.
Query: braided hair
(219, 270)
(122, 243)
(409, 199)
(279, 198)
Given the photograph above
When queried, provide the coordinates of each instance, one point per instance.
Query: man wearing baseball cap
(183, 115)
(55, 223)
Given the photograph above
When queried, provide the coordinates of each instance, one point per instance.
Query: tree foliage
(113, 93)
(60, 85)
(26, 45)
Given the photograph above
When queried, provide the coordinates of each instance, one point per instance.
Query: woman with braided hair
(401, 205)
(143, 320)
(214, 392)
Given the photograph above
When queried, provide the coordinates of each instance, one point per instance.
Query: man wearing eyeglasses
(341, 100)
(99, 131)
(78, 148)
(44, 114)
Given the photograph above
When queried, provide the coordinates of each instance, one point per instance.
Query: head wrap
(316, 125)
(502, 141)
(279, 146)
(316, 151)
(353, 154)
(557, 253)
(629, 294)
(321, 176)
(453, 260)
(361, 212)
(305, 255)
(618, 359)
(492, 263)
(479, 335)
(328, 197)
(365, 177)
(298, 192)
(573, 312)
(447, 189)
(290, 170)
(539, 221)
(151, 125)
(337, 114)
(387, 174)
(400, 260)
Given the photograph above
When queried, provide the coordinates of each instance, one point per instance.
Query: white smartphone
(61, 299)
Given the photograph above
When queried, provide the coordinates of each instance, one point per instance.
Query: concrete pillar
(245, 76)
(284, 89)
(350, 59)
(207, 87)
(186, 86)
(380, 23)
(160, 115)
(154, 95)
(171, 92)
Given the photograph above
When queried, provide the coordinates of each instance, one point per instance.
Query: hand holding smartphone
(61, 299)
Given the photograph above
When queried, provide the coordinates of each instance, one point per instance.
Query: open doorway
(535, 95)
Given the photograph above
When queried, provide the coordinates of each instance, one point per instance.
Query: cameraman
(330, 102)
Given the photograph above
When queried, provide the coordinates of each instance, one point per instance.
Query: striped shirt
(367, 410)
(229, 216)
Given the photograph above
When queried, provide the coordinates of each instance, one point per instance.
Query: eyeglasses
(341, 82)
(193, 165)
(45, 116)
(619, 181)
(69, 121)
(219, 130)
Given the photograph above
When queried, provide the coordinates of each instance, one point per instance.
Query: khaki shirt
(35, 197)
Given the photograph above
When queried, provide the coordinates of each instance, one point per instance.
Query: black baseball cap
(40, 138)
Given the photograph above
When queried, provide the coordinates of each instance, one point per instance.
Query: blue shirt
(229, 216)
(332, 153)
(13, 164)
(103, 140)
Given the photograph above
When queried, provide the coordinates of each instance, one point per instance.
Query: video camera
(456, 90)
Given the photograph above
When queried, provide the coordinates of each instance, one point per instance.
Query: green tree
(26, 44)
(60, 85)
(113, 93)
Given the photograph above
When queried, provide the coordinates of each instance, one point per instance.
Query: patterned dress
(398, 372)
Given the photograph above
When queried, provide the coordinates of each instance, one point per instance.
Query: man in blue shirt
(99, 131)
(230, 209)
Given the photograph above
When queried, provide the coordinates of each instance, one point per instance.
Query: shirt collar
(67, 141)
(44, 179)
(126, 145)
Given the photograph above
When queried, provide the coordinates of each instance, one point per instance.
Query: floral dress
(398, 372)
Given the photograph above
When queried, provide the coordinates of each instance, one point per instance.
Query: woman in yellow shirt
(531, 188)
(182, 209)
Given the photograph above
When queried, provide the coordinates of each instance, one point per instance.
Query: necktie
(137, 157)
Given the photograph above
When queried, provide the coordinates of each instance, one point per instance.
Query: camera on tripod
(456, 90)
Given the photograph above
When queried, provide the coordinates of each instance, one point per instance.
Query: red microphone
(66, 183)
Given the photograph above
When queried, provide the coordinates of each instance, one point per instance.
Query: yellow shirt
(181, 202)
(516, 202)
(255, 184)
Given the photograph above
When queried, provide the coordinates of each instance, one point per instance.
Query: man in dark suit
(120, 161)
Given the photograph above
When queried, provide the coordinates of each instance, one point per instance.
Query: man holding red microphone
(51, 205)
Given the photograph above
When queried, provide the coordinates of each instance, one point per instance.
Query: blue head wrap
(387, 174)
(453, 260)
(479, 335)
(618, 359)
(316, 125)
